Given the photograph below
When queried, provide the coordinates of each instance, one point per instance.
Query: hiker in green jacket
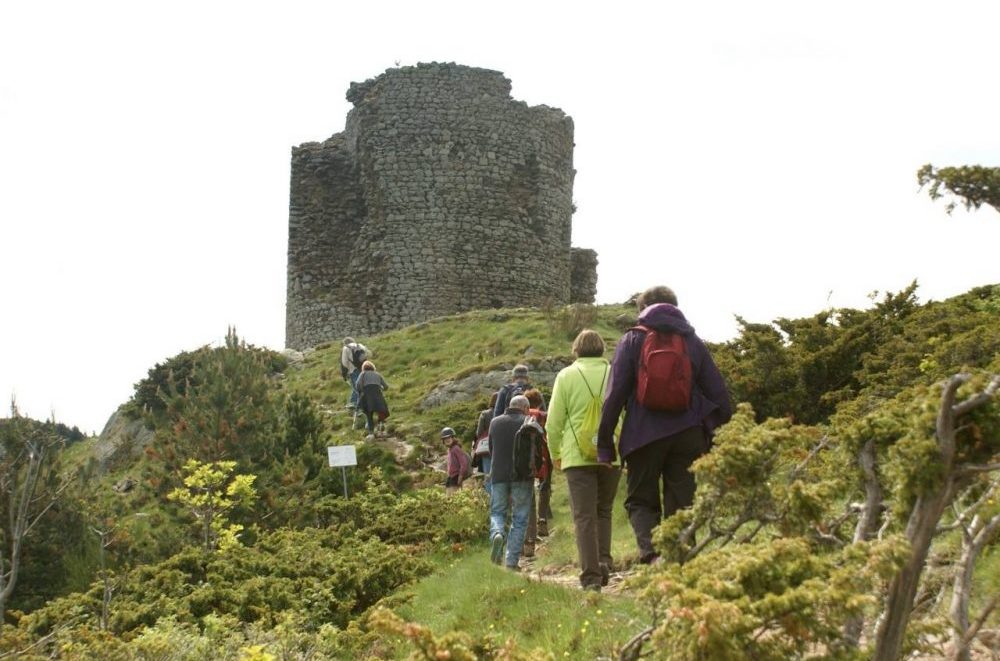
(574, 414)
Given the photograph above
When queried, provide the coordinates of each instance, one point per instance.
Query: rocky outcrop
(121, 439)
(481, 385)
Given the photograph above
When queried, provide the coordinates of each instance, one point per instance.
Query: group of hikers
(653, 409)
(367, 385)
(662, 377)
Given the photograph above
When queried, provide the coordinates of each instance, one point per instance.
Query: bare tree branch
(966, 470)
(981, 620)
(978, 399)
(961, 516)
(16, 654)
(726, 534)
(819, 447)
(827, 538)
(749, 537)
(631, 650)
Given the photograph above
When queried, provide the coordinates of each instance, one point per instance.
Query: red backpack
(664, 382)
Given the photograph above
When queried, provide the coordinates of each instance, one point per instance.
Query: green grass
(467, 593)
(470, 594)
(416, 359)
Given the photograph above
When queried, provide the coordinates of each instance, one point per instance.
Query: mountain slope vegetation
(794, 547)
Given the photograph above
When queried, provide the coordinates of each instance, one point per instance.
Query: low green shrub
(423, 516)
(319, 576)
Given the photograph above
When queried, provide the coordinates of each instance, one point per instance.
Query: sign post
(343, 456)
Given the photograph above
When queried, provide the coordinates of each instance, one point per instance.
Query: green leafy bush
(419, 517)
(314, 576)
(775, 600)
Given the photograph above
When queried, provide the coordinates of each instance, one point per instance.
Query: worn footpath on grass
(567, 574)
(535, 568)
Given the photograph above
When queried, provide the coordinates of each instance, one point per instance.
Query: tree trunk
(207, 530)
(868, 523)
(899, 603)
(920, 531)
(959, 610)
(25, 466)
(974, 541)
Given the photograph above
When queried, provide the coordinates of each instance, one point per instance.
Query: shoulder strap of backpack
(603, 379)
(569, 422)
(584, 378)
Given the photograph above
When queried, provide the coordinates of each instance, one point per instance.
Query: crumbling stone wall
(441, 195)
(582, 275)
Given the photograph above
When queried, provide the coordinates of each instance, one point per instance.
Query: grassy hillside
(315, 568)
(417, 359)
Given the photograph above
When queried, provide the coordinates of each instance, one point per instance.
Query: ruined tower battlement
(442, 195)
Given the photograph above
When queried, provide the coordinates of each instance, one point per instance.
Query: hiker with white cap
(352, 357)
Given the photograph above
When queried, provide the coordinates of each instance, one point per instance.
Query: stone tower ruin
(442, 195)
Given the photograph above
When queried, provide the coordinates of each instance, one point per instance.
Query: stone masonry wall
(441, 195)
(582, 275)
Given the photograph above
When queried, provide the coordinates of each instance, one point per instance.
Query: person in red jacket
(458, 461)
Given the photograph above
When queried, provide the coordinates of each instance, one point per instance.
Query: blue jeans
(515, 496)
(354, 380)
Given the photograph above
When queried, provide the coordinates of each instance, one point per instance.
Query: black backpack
(359, 355)
(528, 456)
(512, 390)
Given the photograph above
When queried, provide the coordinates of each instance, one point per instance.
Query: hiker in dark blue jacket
(660, 445)
(518, 386)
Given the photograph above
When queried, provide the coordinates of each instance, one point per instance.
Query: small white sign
(342, 455)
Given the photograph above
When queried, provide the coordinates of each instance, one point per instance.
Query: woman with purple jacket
(660, 445)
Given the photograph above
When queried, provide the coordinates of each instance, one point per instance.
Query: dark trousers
(592, 491)
(541, 508)
(545, 498)
(370, 416)
(667, 460)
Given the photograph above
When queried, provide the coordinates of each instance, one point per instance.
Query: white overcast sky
(758, 157)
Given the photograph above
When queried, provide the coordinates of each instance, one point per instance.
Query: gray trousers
(592, 491)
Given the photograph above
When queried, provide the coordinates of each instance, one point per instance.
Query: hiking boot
(513, 568)
(542, 529)
(496, 549)
(528, 550)
(591, 587)
(605, 575)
